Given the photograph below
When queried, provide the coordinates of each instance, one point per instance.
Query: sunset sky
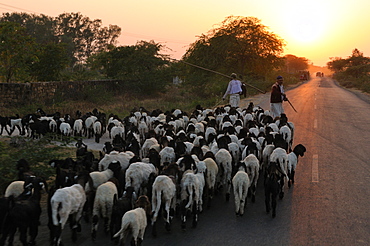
(314, 29)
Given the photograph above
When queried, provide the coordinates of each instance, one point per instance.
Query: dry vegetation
(175, 97)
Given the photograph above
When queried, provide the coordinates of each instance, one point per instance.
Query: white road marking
(315, 124)
(315, 106)
(315, 168)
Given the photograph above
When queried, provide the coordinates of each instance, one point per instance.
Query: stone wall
(18, 94)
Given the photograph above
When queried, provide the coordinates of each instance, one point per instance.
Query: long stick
(291, 105)
(218, 103)
(209, 70)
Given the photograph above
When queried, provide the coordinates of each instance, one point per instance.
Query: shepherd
(234, 89)
(277, 97)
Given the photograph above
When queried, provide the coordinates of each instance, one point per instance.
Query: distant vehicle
(304, 75)
(319, 74)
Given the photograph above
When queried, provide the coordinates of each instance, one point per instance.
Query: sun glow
(305, 22)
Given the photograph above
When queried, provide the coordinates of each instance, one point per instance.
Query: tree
(355, 65)
(70, 34)
(85, 36)
(337, 64)
(140, 66)
(52, 59)
(239, 44)
(295, 64)
(40, 27)
(17, 50)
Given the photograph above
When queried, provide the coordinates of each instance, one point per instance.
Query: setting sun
(306, 31)
(305, 22)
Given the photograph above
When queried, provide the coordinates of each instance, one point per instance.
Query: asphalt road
(329, 202)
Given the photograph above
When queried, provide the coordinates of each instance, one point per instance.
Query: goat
(272, 186)
(25, 214)
(241, 185)
(138, 175)
(280, 157)
(120, 207)
(164, 190)
(252, 168)
(298, 150)
(224, 161)
(67, 203)
(103, 205)
(135, 221)
(190, 192)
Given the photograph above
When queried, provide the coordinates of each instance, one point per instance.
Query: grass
(37, 152)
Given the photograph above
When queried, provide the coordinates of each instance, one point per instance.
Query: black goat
(4, 125)
(24, 214)
(272, 186)
(65, 172)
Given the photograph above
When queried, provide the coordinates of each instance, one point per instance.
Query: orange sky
(314, 29)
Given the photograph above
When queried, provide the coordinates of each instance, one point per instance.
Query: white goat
(167, 154)
(144, 151)
(252, 168)
(98, 131)
(122, 157)
(235, 152)
(137, 175)
(65, 129)
(224, 162)
(134, 221)
(241, 184)
(65, 202)
(266, 153)
(287, 135)
(117, 130)
(164, 190)
(200, 174)
(103, 205)
(143, 128)
(89, 124)
(190, 192)
(99, 178)
(77, 127)
(211, 176)
(14, 189)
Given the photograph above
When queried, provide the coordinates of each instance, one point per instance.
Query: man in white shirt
(233, 89)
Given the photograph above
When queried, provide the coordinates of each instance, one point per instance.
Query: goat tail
(124, 226)
(55, 207)
(190, 189)
(240, 192)
(157, 204)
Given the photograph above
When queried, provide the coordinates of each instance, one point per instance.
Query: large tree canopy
(294, 64)
(87, 36)
(81, 35)
(355, 65)
(17, 49)
(140, 65)
(239, 44)
(40, 27)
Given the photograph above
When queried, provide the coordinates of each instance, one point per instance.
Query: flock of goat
(157, 163)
